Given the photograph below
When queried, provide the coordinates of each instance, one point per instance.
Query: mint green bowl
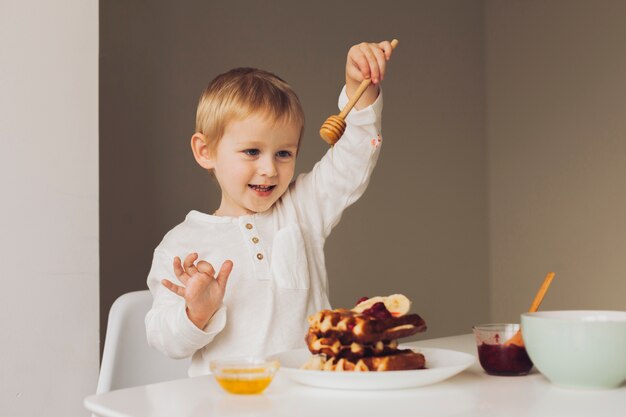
(577, 348)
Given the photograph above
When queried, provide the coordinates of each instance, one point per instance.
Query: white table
(471, 393)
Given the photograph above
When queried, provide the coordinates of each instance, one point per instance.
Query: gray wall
(556, 107)
(421, 228)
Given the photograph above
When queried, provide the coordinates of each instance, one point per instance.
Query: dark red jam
(360, 300)
(503, 360)
(378, 311)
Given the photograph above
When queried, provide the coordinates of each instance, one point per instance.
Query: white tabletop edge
(472, 389)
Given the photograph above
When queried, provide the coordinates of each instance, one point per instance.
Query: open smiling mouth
(261, 188)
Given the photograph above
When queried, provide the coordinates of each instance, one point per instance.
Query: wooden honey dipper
(335, 125)
(517, 337)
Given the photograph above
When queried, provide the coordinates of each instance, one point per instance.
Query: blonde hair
(240, 92)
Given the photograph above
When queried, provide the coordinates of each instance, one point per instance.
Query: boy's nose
(266, 167)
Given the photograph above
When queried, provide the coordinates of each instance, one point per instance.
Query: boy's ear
(201, 151)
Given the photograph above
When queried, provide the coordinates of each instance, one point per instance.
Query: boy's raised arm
(366, 61)
(343, 174)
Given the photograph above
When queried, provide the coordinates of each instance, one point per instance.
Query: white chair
(127, 359)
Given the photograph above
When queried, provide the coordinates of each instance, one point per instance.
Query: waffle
(331, 346)
(397, 361)
(365, 338)
(348, 326)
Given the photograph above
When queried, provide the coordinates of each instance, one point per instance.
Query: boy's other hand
(366, 61)
(202, 290)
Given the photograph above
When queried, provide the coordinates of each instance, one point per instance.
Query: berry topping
(378, 311)
(360, 300)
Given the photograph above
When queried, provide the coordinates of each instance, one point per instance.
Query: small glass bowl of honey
(245, 375)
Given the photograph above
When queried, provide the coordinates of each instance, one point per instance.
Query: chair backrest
(127, 359)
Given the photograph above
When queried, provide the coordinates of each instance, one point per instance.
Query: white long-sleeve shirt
(279, 274)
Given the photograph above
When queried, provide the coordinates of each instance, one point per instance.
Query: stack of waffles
(364, 338)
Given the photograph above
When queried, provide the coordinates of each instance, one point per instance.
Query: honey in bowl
(244, 375)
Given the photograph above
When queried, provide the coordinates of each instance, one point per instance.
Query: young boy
(268, 233)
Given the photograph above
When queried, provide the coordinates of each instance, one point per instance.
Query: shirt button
(255, 240)
(259, 256)
(248, 226)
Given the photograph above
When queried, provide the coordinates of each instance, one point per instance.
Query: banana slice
(397, 304)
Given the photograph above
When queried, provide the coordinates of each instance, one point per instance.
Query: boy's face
(254, 163)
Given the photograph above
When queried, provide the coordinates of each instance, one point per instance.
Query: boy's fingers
(387, 49)
(222, 276)
(381, 60)
(178, 290)
(190, 268)
(360, 62)
(372, 62)
(179, 271)
(206, 268)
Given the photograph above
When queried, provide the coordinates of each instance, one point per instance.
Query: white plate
(441, 364)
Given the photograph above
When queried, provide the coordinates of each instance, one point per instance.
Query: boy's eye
(283, 154)
(251, 152)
